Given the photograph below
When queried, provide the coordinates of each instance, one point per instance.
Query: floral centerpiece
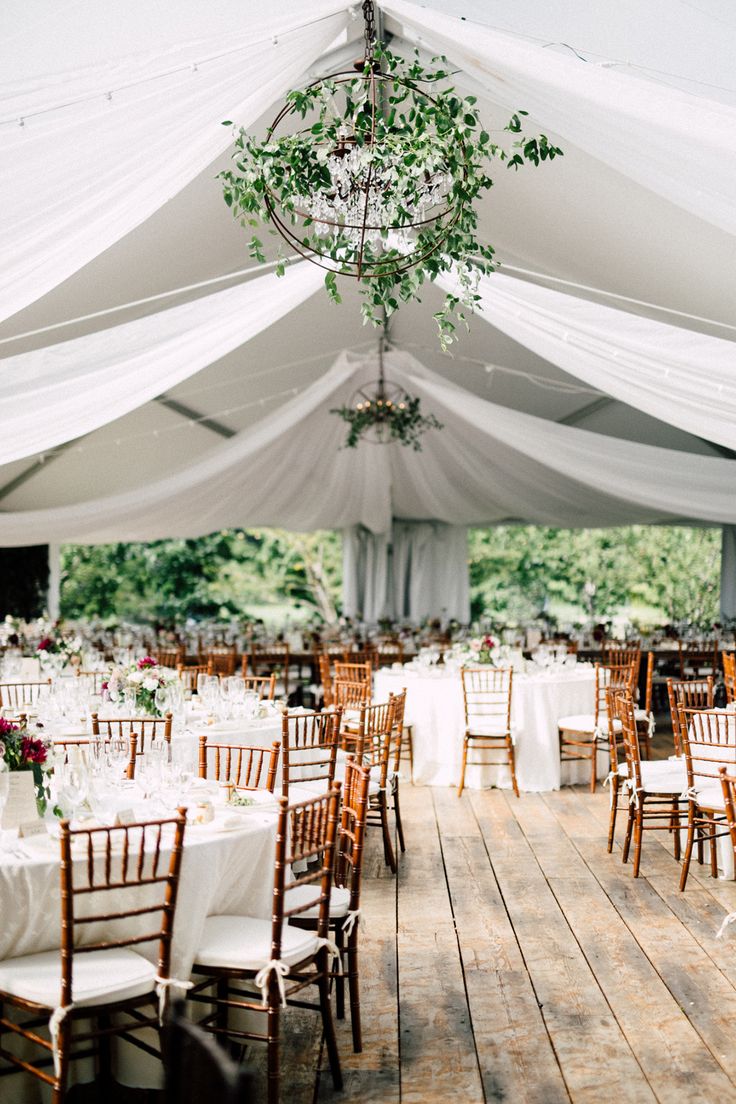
(55, 650)
(23, 752)
(469, 653)
(145, 677)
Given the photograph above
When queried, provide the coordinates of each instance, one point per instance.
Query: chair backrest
(397, 736)
(169, 657)
(350, 695)
(371, 742)
(487, 697)
(351, 835)
(649, 682)
(146, 728)
(365, 657)
(698, 657)
(309, 747)
(616, 703)
(189, 673)
(325, 677)
(618, 652)
(709, 742)
(687, 694)
(612, 676)
(729, 675)
(16, 695)
(623, 704)
(118, 861)
(305, 853)
(221, 663)
(354, 671)
(263, 685)
(247, 768)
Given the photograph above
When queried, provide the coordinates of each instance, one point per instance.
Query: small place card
(125, 816)
(20, 807)
(31, 828)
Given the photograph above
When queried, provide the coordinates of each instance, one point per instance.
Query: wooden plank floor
(514, 960)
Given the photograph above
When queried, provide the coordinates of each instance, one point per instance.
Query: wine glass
(118, 754)
(161, 699)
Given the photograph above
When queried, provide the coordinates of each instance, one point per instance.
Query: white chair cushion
(711, 797)
(585, 722)
(339, 901)
(641, 715)
(244, 943)
(100, 977)
(663, 776)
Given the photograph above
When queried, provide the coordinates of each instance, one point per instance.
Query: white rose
(136, 677)
(150, 684)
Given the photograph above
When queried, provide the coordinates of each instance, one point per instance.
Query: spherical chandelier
(374, 174)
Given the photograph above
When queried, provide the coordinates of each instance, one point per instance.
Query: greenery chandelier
(383, 413)
(379, 181)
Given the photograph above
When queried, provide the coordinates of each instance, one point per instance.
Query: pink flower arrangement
(147, 661)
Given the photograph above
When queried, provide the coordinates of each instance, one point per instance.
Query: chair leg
(461, 787)
(688, 847)
(627, 838)
(409, 734)
(713, 851)
(274, 1024)
(512, 766)
(397, 815)
(593, 767)
(58, 1093)
(638, 833)
(675, 822)
(388, 850)
(354, 988)
(328, 1025)
(339, 979)
(614, 810)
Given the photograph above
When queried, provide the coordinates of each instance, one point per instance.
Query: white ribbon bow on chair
(57, 1018)
(162, 987)
(281, 970)
(333, 952)
(355, 916)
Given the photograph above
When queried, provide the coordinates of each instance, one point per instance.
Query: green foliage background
(657, 573)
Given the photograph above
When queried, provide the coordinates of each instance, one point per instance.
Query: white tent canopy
(595, 389)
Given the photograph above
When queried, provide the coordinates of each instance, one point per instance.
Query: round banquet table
(434, 709)
(224, 871)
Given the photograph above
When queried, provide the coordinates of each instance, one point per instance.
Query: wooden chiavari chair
(262, 685)
(652, 771)
(645, 714)
(91, 980)
(729, 675)
(325, 677)
(138, 731)
(222, 663)
(273, 660)
(189, 673)
(698, 658)
(345, 902)
(309, 744)
(371, 742)
(258, 966)
(583, 735)
(618, 653)
(709, 742)
(21, 695)
(728, 790)
(487, 703)
(169, 657)
(351, 695)
(397, 741)
(651, 797)
(364, 657)
(687, 694)
(247, 768)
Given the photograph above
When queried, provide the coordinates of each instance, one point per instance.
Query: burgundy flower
(147, 661)
(104, 685)
(45, 644)
(33, 751)
(6, 727)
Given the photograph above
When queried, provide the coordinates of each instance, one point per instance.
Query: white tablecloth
(434, 708)
(222, 872)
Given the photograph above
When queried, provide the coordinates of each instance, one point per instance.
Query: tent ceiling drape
(650, 389)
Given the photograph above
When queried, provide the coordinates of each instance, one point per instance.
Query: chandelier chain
(369, 16)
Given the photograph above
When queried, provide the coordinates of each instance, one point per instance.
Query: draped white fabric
(487, 465)
(82, 171)
(418, 570)
(676, 375)
(60, 392)
(680, 146)
(728, 573)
